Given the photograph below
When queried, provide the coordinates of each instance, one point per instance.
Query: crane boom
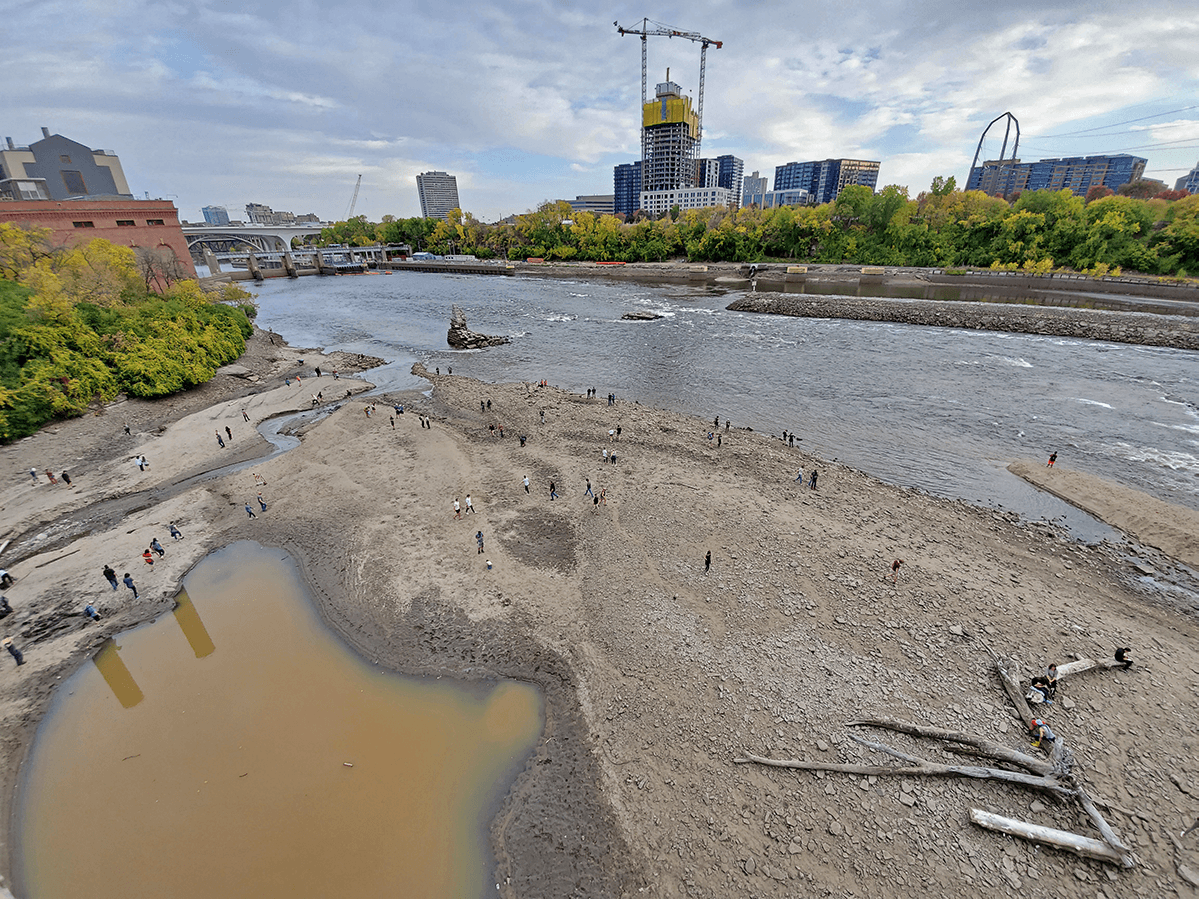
(354, 199)
(649, 27)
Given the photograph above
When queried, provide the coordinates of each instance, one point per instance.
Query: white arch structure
(264, 238)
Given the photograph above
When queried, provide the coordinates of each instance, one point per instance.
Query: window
(74, 182)
(65, 159)
(154, 221)
(84, 224)
(125, 223)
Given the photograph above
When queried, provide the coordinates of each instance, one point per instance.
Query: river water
(939, 409)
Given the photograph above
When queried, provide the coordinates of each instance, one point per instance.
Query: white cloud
(214, 100)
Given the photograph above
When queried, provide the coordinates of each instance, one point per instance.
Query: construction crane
(354, 199)
(649, 27)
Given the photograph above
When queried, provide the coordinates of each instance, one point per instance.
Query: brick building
(149, 224)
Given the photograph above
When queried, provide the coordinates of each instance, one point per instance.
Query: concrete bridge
(250, 264)
(259, 238)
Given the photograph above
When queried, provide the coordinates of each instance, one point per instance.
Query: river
(942, 410)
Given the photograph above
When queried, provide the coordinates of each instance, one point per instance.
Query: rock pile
(460, 337)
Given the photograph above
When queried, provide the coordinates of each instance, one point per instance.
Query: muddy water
(237, 748)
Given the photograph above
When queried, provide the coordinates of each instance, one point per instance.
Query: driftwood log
(1062, 839)
(1055, 774)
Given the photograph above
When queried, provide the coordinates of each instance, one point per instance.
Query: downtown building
(825, 179)
(669, 133)
(215, 215)
(722, 171)
(1190, 181)
(752, 188)
(626, 187)
(438, 194)
(1078, 174)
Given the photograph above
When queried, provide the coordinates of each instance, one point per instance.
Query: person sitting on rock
(1044, 686)
(1123, 657)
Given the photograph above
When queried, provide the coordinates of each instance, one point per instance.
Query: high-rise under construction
(669, 131)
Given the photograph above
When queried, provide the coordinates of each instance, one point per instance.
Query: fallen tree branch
(987, 748)
(1062, 839)
(917, 767)
(1081, 666)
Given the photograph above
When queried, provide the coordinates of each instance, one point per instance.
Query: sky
(222, 103)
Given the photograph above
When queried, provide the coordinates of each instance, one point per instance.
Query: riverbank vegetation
(79, 325)
(1038, 231)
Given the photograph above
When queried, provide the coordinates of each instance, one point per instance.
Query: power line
(1129, 122)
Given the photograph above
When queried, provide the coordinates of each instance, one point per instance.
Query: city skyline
(223, 104)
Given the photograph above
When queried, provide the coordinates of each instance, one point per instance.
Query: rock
(1037, 806)
(236, 371)
(1188, 875)
(460, 337)
(640, 316)
(749, 865)
(907, 799)
(956, 630)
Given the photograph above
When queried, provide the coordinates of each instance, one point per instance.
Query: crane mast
(354, 199)
(648, 27)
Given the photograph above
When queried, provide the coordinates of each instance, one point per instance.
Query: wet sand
(656, 673)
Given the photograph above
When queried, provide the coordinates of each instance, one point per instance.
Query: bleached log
(987, 748)
(1114, 842)
(1082, 665)
(1009, 676)
(1062, 839)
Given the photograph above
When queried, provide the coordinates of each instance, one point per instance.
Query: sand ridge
(657, 674)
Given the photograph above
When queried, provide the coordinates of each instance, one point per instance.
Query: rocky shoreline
(657, 672)
(1180, 332)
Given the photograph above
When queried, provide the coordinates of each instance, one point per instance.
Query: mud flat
(656, 673)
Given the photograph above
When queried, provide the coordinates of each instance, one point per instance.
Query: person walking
(245, 415)
(526, 483)
(707, 561)
(895, 566)
(50, 476)
(157, 547)
(174, 531)
(111, 576)
(553, 490)
(33, 474)
(66, 478)
(128, 581)
(1052, 459)
(470, 506)
(588, 492)
(13, 651)
(603, 497)
(605, 455)
(219, 439)
(799, 477)
(457, 509)
(543, 416)
(812, 482)
(479, 539)
(250, 512)
(261, 502)
(594, 503)
(148, 558)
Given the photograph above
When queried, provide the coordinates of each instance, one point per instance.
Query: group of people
(811, 479)
(66, 477)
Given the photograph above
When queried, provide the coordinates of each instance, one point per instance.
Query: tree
(1142, 188)
(1098, 192)
(943, 187)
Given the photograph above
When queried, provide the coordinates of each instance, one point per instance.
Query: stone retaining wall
(1091, 324)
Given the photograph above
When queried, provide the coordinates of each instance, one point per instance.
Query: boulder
(460, 337)
(640, 316)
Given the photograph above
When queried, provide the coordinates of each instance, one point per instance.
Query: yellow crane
(645, 29)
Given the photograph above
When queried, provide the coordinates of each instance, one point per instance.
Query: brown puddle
(206, 754)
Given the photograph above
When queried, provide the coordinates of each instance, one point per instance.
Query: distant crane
(649, 27)
(354, 199)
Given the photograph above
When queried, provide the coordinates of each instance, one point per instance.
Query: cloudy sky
(213, 102)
